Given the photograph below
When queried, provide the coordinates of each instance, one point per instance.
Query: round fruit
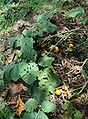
(56, 49)
(58, 92)
(70, 45)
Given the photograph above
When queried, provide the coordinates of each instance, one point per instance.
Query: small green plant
(71, 111)
(5, 113)
(38, 74)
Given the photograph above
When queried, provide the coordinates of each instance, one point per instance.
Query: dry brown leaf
(20, 106)
(12, 100)
(3, 94)
(65, 29)
(16, 88)
(10, 58)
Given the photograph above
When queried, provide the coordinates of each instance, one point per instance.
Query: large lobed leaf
(44, 24)
(25, 44)
(48, 80)
(38, 94)
(47, 106)
(27, 72)
(35, 115)
(45, 61)
(76, 12)
(31, 105)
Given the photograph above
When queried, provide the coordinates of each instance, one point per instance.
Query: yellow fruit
(56, 49)
(58, 91)
(70, 45)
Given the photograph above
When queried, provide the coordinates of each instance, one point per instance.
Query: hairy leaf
(77, 115)
(25, 44)
(44, 24)
(7, 71)
(31, 105)
(48, 80)
(71, 111)
(41, 115)
(77, 12)
(47, 106)
(43, 17)
(27, 72)
(38, 94)
(45, 61)
(28, 33)
(31, 115)
(35, 115)
(85, 21)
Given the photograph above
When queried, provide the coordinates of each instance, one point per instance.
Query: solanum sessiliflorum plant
(38, 74)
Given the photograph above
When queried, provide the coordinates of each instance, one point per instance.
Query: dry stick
(83, 87)
(61, 34)
(63, 38)
(69, 33)
(51, 36)
(84, 62)
(84, 78)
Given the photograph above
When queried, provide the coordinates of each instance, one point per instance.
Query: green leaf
(12, 41)
(68, 106)
(31, 105)
(69, 49)
(71, 111)
(59, 3)
(48, 107)
(27, 72)
(31, 115)
(44, 74)
(28, 33)
(85, 21)
(14, 74)
(32, 55)
(77, 12)
(47, 85)
(43, 17)
(25, 44)
(34, 115)
(38, 94)
(48, 80)
(48, 27)
(39, 33)
(44, 24)
(45, 61)
(77, 115)
(27, 47)
(7, 70)
(41, 115)
(48, 74)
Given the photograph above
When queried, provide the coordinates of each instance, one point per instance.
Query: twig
(69, 31)
(83, 87)
(84, 62)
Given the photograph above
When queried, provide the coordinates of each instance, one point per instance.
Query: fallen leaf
(16, 88)
(10, 58)
(3, 94)
(65, 29)
(20, 106)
